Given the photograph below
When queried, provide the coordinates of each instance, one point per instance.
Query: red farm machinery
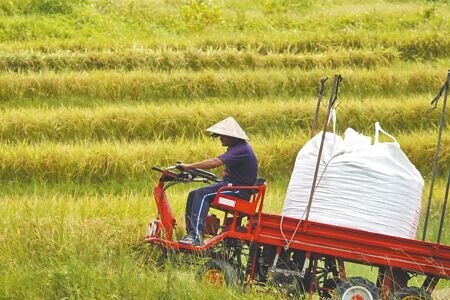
(249, 247)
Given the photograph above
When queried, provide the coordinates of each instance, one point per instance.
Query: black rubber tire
(343, 286)
(217, 272)
(411, 293)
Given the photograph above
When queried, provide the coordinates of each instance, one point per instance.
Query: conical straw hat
(228, 127)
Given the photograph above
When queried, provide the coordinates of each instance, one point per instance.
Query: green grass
(95, 92)
(85, 247)
(57, 245)
(125, 20)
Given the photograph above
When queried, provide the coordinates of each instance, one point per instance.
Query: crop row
(260, 117)
(408, 44)
(139, 85)
(97, 162)
(149, 59)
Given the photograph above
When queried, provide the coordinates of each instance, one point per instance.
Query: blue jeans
(197, 207)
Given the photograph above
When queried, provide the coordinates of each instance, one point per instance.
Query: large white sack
(359, 185)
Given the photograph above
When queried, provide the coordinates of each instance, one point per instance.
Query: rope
(288, 242)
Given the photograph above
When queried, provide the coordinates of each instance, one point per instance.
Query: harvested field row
(260, 117)
(136, 85)
(408, 44)
(99, 162)
(149, 59)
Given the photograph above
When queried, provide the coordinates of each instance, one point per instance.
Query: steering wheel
(203, 174)
(169, 174)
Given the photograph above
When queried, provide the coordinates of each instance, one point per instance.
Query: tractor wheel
(287, 286)
(357, 288)
(411, 293)
(217, 273)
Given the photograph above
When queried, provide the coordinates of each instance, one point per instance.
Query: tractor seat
(258, 182)
(238, 205)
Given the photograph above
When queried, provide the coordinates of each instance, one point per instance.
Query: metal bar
(252, 269)
(380, 276)
(305, 264)
(333, 97)
(444, 208)
(430, 283)
(285, 271)
(341, 267)
(275, 261)
(387, 284)
(319, 100)
(312, 284)
(436, 155)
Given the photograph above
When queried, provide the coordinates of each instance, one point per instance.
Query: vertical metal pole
(333, 97)
(444, 208)
(319, 99)
(436, 155)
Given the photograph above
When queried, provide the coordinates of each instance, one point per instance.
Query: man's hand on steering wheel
(182, 167)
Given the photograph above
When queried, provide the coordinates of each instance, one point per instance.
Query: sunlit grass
(194, 59)
(87, 161)
(261, 118)
(145, 85)
(93, 93)
(91, 245)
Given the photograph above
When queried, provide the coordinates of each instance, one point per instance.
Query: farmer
(240, 169)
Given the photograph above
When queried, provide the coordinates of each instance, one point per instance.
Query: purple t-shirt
(241, 166)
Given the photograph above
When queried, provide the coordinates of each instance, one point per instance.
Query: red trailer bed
(355, 245)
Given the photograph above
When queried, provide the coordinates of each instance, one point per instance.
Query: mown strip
(410, 45)
(260, 117)
(99, 162)
(168, 59)
(114, 85)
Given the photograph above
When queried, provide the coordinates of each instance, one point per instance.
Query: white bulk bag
(359, 185)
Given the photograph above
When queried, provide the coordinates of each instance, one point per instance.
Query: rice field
(93, 93)
(141, 85)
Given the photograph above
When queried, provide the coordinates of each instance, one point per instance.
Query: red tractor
(249, 247)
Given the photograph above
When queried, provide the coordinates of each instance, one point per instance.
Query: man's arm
(204, 164)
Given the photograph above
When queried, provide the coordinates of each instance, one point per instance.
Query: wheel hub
(214, 277)
(357, 293)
